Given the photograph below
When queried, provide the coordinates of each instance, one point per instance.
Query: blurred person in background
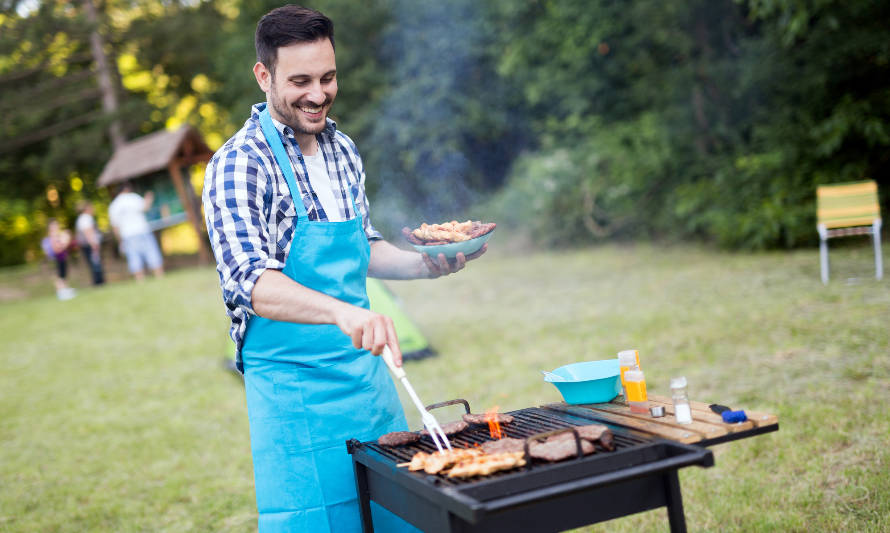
(89, 239)
(287, 217)
(127, 215)
(56, 245)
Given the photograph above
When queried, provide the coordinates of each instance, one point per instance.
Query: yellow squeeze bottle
(627, 359)
(635, 384)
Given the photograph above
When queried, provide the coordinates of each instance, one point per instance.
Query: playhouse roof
(154, 152)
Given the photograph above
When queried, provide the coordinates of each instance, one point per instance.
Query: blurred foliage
(583, 121)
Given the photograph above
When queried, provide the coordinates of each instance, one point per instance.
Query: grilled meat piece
(597, 433)
(593, 433)
(479, 420)
(449, 428)
(417, 461)
(484, 465)
(398, 438)
(559, 448)
(480, 229)
(438, 462)
(507, 445)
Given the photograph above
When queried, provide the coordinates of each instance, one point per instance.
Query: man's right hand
(370, 331)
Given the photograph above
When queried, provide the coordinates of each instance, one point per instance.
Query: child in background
(89, 239)
(56, 245)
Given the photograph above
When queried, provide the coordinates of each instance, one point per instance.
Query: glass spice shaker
(682, 411)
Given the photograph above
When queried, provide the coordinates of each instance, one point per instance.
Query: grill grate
(526, 422)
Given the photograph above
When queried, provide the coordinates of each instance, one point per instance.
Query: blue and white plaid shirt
(251, 216)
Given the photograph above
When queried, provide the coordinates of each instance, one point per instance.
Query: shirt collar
(328, 131)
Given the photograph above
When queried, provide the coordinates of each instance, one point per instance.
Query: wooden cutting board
(706, 424)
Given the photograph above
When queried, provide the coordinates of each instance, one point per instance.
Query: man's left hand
(441, 266)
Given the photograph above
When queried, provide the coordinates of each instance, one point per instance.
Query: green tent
(414, 345)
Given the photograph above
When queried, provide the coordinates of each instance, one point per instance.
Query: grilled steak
(450, 428)
(507, 445)
(593, 433)
(479, 420)
(398, 438)
(559, 448)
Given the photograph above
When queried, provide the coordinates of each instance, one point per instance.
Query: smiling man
(287, 217)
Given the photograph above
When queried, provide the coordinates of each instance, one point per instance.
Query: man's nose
(316, 94)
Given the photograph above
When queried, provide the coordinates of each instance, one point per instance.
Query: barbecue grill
(638, 475)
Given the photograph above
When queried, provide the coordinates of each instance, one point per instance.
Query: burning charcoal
(507, 445)
(398, 438)
(481, 420)
(449, 428)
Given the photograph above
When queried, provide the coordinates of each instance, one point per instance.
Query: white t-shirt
(126, 214)
(84, 222)
(322, 185)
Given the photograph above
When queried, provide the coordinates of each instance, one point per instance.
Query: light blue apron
(309, 390)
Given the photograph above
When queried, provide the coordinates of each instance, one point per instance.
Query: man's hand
(370, 331)
(442, 266)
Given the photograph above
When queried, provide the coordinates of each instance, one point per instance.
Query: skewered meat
(484, 465)
(507, 445)
(436, 462)
(449, 428)
(417, 461)
(559, 448)
(398, 438)
(481, 420)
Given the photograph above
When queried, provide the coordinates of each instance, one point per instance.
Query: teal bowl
(453, 248)
(588, 382)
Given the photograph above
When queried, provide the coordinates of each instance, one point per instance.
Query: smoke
(437, 147)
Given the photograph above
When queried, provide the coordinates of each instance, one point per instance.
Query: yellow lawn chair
(846, 209)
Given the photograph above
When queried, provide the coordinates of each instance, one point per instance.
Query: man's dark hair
(287, 25)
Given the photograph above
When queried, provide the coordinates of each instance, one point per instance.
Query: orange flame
(494, 428)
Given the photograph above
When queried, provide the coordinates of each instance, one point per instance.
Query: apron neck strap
(274, 140)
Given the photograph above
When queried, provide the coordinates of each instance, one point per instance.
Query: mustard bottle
(627, 359)
(635, 384)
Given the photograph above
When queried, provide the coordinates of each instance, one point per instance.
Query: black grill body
(639, 475)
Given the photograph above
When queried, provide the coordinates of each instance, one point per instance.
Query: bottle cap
(678, 383)
(657, 411)
(627, 358)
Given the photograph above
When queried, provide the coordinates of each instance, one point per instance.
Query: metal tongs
(429, 421)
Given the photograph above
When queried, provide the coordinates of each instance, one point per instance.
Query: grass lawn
(117, 415)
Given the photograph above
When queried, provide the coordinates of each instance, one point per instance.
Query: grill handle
(465, 403)
(544, 436)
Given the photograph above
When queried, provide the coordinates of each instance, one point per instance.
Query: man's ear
(263, 76)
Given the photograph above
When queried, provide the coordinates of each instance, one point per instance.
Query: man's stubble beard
(290, 115)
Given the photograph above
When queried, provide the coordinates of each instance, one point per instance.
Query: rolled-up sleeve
(237, 197)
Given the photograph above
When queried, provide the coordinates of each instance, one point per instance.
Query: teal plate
(453, 248)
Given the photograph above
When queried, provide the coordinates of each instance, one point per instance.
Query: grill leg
(364, 499)
(676, 517)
